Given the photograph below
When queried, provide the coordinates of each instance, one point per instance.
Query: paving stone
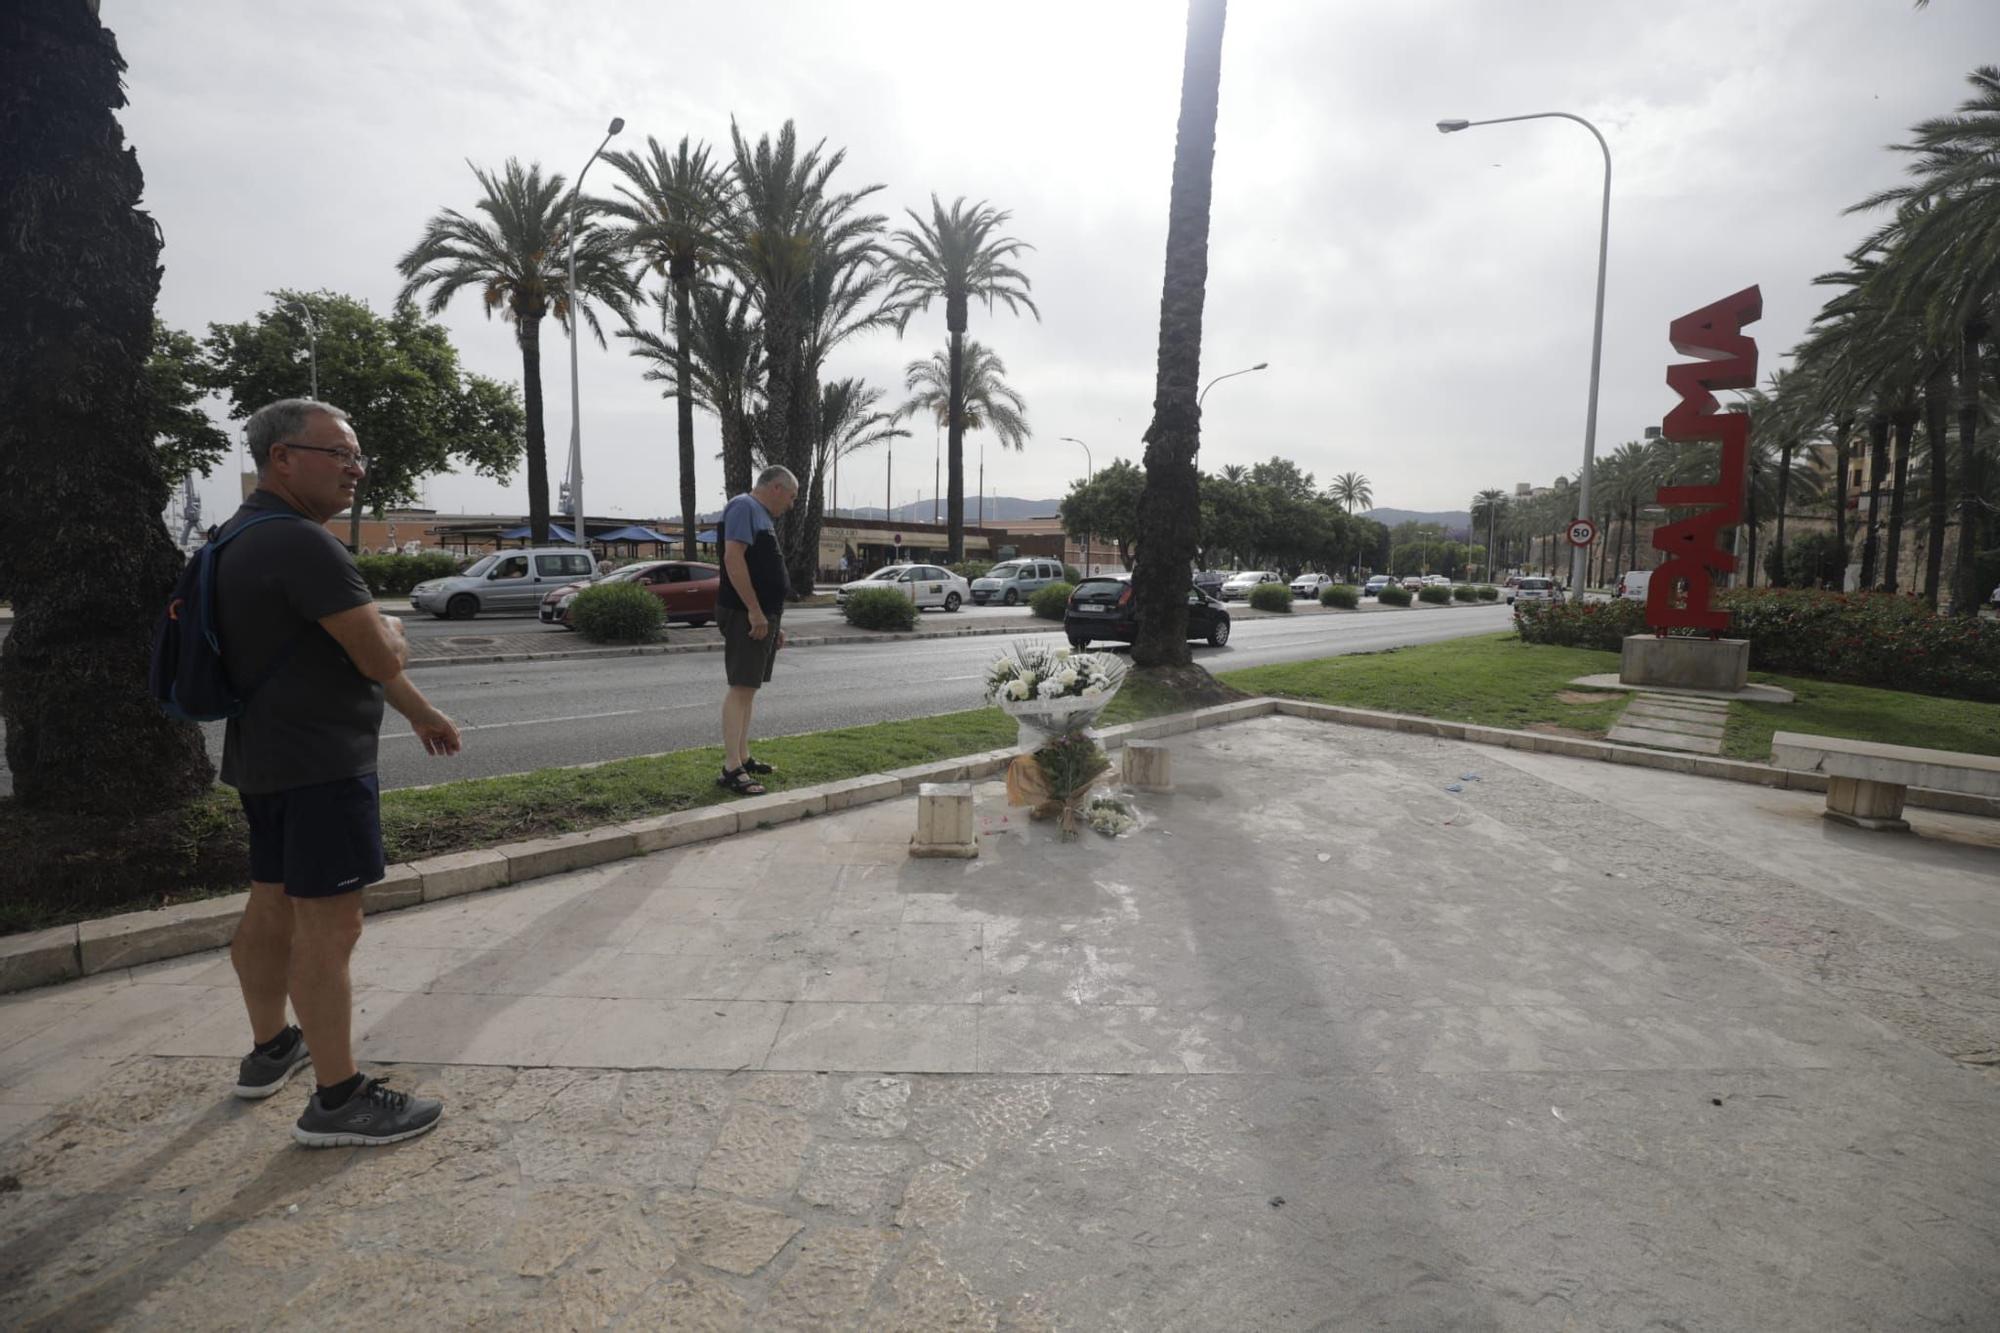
(935, 1196)
(930, 1294)
(691, 1302)
(168, 932)
(402, 886)
(1669, 740)
(552, 1226)
(828, 1283)
(734, 1237)
(39, 958)
(875, 1107)
(757, 1154)
(854, 1178)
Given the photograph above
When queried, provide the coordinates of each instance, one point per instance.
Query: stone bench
(1867, 781)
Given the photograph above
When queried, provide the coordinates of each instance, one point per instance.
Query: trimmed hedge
(1488, 593)
(1433, 594)
(1881, 639)
(1072, 575)
(1394, 594)
(1462, 592)
(971, 569)
(617, 613)
(395, 575)
(1051, 600)
(1272, 597)
(880, 608)
(1340, 595)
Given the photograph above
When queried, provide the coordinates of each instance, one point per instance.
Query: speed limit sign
(1582, 532)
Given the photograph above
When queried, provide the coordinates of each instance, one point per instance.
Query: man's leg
(261, 953)
(736, 708)
(325, 931)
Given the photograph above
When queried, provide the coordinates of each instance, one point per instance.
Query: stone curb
(64, 953)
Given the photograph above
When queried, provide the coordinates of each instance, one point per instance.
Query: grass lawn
(1862, 713)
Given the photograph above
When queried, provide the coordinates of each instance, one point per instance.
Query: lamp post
(312, 342)
(575, 388)
(1089, 474)
(1579, 555)
(1261, 365)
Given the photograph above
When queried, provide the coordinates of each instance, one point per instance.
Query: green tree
(724, 362)
(517, 257)
(79, 467)
(984, 400)
(958, 257)
(1170, 510)
(1107, 507)
(415, 410)
(1351, 491)
(675, 207)
(1487, 507)
(178, 378)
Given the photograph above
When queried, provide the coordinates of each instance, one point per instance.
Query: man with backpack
(313, 660)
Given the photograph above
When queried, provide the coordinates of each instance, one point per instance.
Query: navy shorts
(317, 841)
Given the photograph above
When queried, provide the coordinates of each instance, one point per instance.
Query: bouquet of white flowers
(1052, 691)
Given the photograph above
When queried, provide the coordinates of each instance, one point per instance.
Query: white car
(1437, 580)
(1238, 586)
(1534, 590)
(1632, 587)
(1311, 585)
(926, 585)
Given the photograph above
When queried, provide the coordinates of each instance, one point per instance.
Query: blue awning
(557, 533)
(633, 533)
(706, 538)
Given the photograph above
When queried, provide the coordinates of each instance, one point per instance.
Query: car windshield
(1100, 585)
(481, 565)
(880, 575)
(627, 574)
(1534, 583)
(1005, 571)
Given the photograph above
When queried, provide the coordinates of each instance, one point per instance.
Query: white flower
(1050, 689)
(1092, 692)
(1067, 677)
(1017, 689)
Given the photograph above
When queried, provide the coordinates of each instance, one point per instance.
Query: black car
(1102, 610)
(1210, 581)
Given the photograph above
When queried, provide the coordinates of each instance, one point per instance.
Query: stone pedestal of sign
(1689, 664)
(1148, 766)
(944, 821)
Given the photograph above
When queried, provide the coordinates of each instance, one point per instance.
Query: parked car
(506, 582)
(1437, 580)
(1101, 610)
(1311, 585)
(1413, 582)
(1012, 582)
(1534, 590)
(926, 585)
(1375, 585)
(1210, 581)
(1632, 587)
(1239, 585)
(686, 590)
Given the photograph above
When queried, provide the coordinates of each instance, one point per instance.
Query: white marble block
(944, 821)
(1149, 766)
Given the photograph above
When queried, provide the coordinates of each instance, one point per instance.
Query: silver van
(1012, 582)
(504, 583)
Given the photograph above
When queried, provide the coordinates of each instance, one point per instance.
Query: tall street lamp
(575, 313)
(1261, 365)
(1579, 555)
(312, 342)
(1089, 474)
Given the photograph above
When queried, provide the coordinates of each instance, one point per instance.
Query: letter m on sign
(1692, 546)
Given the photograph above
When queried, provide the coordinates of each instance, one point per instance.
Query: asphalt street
(533, 715)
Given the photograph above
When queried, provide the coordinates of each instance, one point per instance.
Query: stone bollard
(944, 821)
(1149, 766)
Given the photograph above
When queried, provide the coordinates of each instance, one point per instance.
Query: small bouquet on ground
(1054, 695)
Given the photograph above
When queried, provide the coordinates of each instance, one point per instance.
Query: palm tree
(77, 461)
(1350, 490)
(517, 258)
(674, 207)
(723, 362)
(1489, 505)
(957, 256)
(986, 400)
(848, 422)
(1170, 505)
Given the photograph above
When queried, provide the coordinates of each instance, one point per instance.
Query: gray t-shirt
(317, 719)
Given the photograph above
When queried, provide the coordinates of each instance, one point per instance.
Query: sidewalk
(1322, 1045)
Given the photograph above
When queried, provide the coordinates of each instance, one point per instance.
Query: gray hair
(776, 474)
(279, 422)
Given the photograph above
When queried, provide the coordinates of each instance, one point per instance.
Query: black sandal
(752, 764)
(740, 782)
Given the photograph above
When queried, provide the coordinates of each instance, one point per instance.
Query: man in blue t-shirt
(748, 607)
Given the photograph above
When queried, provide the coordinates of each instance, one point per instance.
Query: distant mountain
(1456, 523)
(1002, 508)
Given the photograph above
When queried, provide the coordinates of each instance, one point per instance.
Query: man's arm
(372, 641)
(738, 570)
(438, 732)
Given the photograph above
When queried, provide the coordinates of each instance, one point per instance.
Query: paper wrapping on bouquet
(1040, 721)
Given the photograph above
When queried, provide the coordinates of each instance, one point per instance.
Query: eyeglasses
(346, 457)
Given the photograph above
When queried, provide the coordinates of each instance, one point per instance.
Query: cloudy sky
(1424, 300)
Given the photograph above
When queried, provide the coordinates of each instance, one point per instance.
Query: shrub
(1072, 575)
(617, 613)
(1880, 639)
(1272, 597)
(880, 608)
(395, 575)
(1464, 593)
(1340, 595)
(971, 569)
(1488, 593)
(1433, 594)
(1049, 602)
(1393, 594)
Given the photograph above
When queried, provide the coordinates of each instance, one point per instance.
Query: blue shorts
(317, 841)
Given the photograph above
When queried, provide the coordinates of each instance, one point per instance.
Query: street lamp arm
(1261, 365)
(575, 388)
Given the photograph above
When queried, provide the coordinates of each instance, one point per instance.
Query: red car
(686, 588)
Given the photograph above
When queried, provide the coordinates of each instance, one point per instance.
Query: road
(534, 715)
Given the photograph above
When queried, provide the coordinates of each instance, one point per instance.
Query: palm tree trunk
(684, 410)
(1779, 576)
(955, 430)
(1170, 504)
(1937, 412)
(529, 334)
(1843, 431)
(735, 452)
(1906, 432)
(1750, 570)
(78, 471)
(1965, 592)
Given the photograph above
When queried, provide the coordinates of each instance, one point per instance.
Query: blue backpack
(187, 676)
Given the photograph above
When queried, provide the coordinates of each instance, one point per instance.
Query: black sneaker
(261, 1075)
(373, 1115)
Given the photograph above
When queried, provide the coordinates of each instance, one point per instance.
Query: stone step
(1665, 740)
(1685, 701)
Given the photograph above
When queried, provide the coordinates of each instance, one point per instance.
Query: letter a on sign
(1692, 546)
